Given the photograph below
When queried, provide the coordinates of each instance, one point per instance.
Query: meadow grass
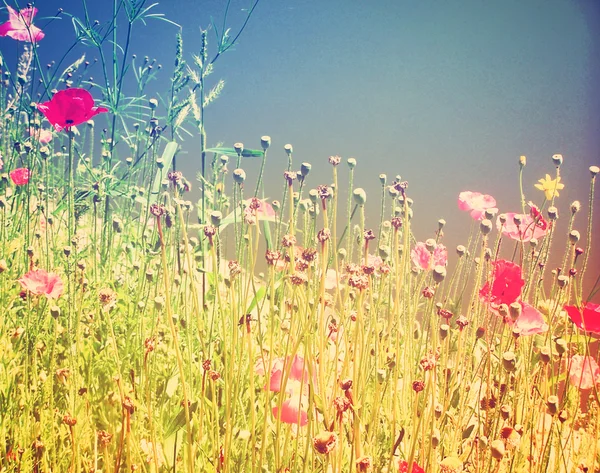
(141, 331)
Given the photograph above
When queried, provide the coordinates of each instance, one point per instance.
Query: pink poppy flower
(293, 411)
(504, 284)
(587, 318)
(531, 321)
(42, 135)
(20, 176)
(584, 372)
(297, 372)
(70, 107)
(330, 279)
(41, 282)
(403, 467)
(264, 210)
(476, 202)
(20, 25)
(528, 229)
(423, 259)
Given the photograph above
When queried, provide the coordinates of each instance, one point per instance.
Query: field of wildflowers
(140, 331)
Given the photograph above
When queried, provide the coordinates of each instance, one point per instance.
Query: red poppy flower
(41, 282)
(20, 176)
(20, 25)
(587, 319)
(504, 284)
(70, 107)
(415, 469)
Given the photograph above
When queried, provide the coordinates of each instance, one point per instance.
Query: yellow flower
(550, 186)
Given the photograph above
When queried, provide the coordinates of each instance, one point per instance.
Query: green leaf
(260, 295)
(167, 158)
(247, 153)
(468, 431)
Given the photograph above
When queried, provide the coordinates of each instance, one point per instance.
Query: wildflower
(423, 259)
(325, 442)
(428, 361)
(20, 25)
(107, 298)
(293, 411)
(530, 321)
(504, 284)
(511, 437)
(335, 160)
(537, 216)
(272, 257)
(324, 235)
(69, 420)
(20, 176)
(403, 467)
(40, 282)
(522, 227)
(550, 186)
(418, 386)
(462, 322)
(298, 278)
(364, 464)
(587, 318)
(104, 437)
(584, 372)
(476, 202)
(42, 135)
(69, 108)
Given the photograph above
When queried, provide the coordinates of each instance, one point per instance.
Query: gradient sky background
(447, 93)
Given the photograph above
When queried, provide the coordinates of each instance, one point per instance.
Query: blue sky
(447, 94)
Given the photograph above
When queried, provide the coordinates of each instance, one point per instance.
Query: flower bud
(351, 163)
(560, 345)
(552, 404)
(497, 449)
(239, 176)
(485, 226)
(216, 217)
(509, 361)
(439, 273)
(238, 147)
(515, 310)
(594, 170)
(265, 142)
(575, 207)
(562, 281)
(545, 355)
(557, 159)
(552, 213)
(305, 169)
(360, 196)
(444, 330)
(574, 236)
(289, 149)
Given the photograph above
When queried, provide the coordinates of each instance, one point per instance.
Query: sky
(447, 94)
